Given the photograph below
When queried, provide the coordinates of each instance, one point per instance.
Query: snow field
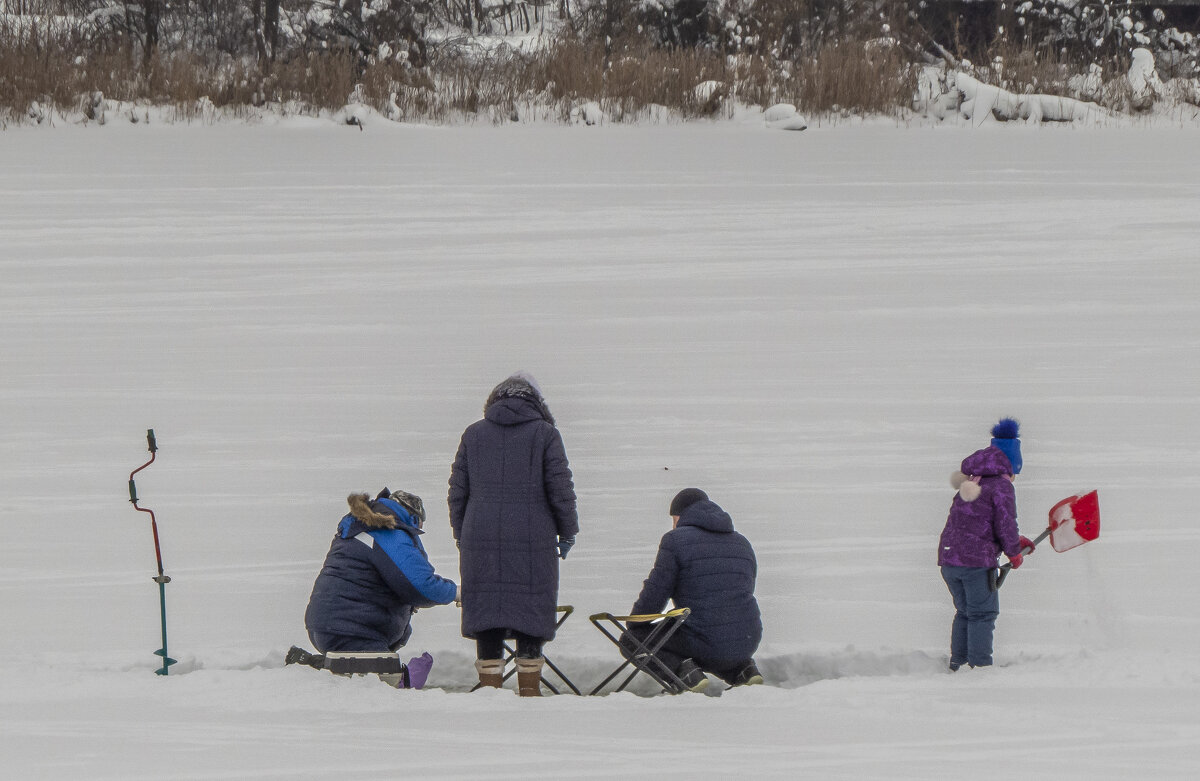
(816, 328)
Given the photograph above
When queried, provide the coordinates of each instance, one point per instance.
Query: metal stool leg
(566, 611)
(643, 655)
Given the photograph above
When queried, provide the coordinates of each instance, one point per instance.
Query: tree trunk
(608, 33)
(260, 44)
(272, 25)
(153, 11)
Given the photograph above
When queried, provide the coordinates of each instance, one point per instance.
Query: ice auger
(161, 579)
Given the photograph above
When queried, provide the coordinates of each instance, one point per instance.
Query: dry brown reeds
(62, 68)
(854, 76)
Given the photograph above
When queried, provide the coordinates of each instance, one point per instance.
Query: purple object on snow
(418, 670)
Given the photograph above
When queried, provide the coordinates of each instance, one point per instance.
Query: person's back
(982, 524)
(703, 564)
(375, 573)
(513, 514)
(983, 515)
(501, 501)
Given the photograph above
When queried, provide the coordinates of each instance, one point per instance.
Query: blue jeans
(975, 611)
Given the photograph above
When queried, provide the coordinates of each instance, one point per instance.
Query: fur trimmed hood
(966, 485)
(378, 513)
(989, 462)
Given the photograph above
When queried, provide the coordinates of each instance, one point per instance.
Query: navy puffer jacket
(704, 565)
(511, 497)
(375, 573)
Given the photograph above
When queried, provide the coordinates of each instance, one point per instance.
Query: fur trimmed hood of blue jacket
(382, 513)
(375, 574)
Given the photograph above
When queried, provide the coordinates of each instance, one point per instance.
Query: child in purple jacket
(981, 525)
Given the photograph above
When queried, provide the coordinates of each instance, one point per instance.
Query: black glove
(565, 544)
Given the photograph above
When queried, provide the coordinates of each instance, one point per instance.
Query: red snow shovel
(1073, 521)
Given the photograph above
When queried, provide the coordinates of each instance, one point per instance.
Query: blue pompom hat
(1004, 436)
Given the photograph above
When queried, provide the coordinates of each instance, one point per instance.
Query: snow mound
(784, 116)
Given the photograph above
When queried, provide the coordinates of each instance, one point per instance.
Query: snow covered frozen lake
(813, 327)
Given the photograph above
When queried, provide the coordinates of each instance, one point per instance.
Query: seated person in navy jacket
(706, 566)
(375, 576)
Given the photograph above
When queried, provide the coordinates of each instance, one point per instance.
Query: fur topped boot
(491, 672)
(529, 676)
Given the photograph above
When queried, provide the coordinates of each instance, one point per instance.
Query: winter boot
(694, 679)
(529, 676)
(491, 672)
(395, 680)
(297, 655)
(748, 675)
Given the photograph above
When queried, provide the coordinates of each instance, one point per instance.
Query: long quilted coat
(705, 565)
(977, 530)
(511, 496)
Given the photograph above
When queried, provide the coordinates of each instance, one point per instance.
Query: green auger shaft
(161, 579)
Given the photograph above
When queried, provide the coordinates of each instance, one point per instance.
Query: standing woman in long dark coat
(512, 509)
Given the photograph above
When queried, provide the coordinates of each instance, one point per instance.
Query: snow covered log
(1054, 108)
(985, 102)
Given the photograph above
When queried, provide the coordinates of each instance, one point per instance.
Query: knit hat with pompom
(1004, 436)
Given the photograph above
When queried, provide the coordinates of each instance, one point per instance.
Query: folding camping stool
(642, 654)
(566, 611)
(386, 665)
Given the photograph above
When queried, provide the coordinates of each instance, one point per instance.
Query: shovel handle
(998, 575)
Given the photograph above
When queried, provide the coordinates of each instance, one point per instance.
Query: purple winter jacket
(977, 531)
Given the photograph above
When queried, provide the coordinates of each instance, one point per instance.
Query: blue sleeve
(659, 587)
(408, 572)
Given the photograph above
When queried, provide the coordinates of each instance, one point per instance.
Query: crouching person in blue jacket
(375, 576)
(706, 566)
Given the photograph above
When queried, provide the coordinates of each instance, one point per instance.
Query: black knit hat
(685, 499)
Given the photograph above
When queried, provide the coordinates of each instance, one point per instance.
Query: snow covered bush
(502, 60)
(1145, 86)
(1108, 31)
(378, 28)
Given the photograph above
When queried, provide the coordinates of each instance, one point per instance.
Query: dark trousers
(489, 644)
(327, 643)
(674, 651)
(975, 609)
